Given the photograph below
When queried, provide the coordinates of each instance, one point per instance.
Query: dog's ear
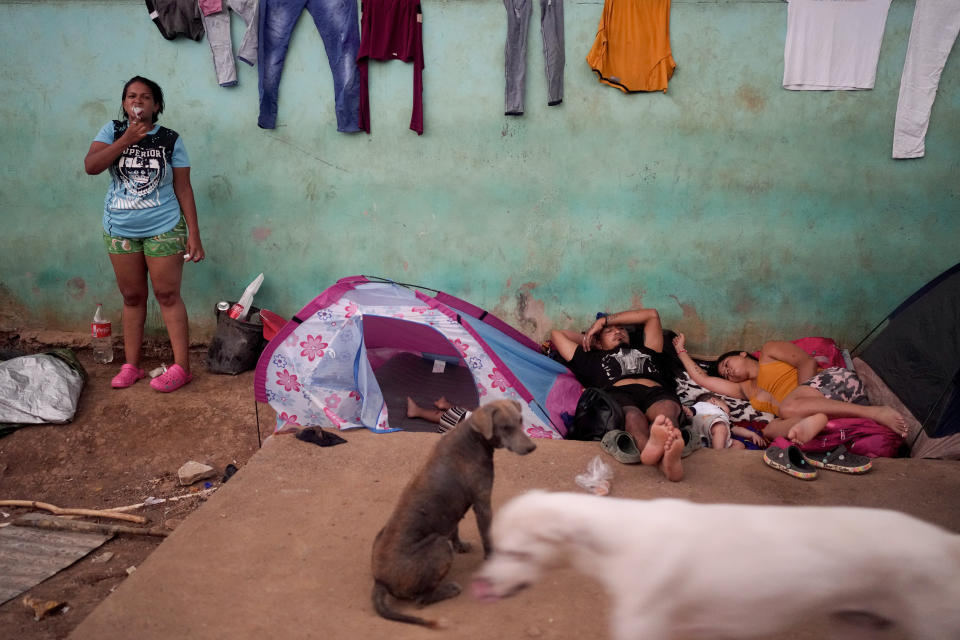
(509, 413)
(565, 535)
(481, 421)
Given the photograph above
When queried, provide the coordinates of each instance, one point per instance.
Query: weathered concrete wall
(740, 210)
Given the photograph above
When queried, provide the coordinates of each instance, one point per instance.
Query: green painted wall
(740, 210)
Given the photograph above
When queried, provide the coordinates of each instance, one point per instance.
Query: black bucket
(237, 344)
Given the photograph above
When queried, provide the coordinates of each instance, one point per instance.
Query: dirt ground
(122, 447)
(125, 446)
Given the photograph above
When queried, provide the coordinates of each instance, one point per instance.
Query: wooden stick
(131, 507)
(58, 524)
(73, 512)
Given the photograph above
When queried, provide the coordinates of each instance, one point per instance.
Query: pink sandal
(128, 375)
(173, 379)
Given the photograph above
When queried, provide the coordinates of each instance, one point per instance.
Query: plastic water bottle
(101, 337)
(240, 310)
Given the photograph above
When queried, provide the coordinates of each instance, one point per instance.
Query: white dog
(676, 569)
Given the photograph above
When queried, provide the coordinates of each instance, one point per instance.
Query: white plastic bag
(38, 389)
(597, 478)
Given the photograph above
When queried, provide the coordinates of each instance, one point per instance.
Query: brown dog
(413, 552)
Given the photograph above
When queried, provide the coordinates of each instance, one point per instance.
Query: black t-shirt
(596, 368)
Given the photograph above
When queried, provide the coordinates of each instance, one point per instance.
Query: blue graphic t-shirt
(140, 202)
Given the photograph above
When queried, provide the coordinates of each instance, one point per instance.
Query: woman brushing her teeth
(149, 225)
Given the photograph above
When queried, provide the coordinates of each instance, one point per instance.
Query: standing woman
(149, 225)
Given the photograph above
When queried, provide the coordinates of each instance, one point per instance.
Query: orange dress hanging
(632, 49)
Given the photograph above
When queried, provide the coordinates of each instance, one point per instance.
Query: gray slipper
(621, 446)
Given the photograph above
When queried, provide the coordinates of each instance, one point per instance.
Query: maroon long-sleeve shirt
(391, 30)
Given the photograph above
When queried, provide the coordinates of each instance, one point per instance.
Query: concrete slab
(283, 549)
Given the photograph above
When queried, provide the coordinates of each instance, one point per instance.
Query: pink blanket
(861, 436)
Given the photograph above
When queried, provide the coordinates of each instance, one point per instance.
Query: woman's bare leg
(807, 428)
(779, 427)
(165, 275)
(131, 272)
(805, 401)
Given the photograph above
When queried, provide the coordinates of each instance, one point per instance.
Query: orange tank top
(632, 49)
(775, 380)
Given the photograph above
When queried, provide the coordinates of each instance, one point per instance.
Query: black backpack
(597, 413)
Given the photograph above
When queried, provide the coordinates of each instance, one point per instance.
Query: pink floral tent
(319, 370)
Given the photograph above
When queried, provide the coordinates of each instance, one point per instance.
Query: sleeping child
(710, 421)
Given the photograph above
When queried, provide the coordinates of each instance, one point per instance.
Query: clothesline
(114, 3)
(642, 64)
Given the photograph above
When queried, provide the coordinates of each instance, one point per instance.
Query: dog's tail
(379, 598)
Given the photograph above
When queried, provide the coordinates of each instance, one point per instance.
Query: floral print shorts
(166, 244)
(837, 383)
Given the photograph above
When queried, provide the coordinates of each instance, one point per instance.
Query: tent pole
(256, 410)
(864, 339)
(402, 284)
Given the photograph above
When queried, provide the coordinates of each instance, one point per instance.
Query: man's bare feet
(805, 430)
(670, 464)
(653, 450)
(442, 403)
(890, 418)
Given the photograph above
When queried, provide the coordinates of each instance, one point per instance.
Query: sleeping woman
(785, 381)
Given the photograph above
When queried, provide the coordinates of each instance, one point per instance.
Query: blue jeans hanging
(337, 23)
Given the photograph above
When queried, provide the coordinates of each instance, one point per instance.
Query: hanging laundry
(515, 51)
(391, 30)
(632, 49)
(337, 23)
(176, 18)
(210, 6)
(833, 45)
(217, 25)
(936, 24)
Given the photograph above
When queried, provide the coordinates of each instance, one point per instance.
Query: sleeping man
(603, 358)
